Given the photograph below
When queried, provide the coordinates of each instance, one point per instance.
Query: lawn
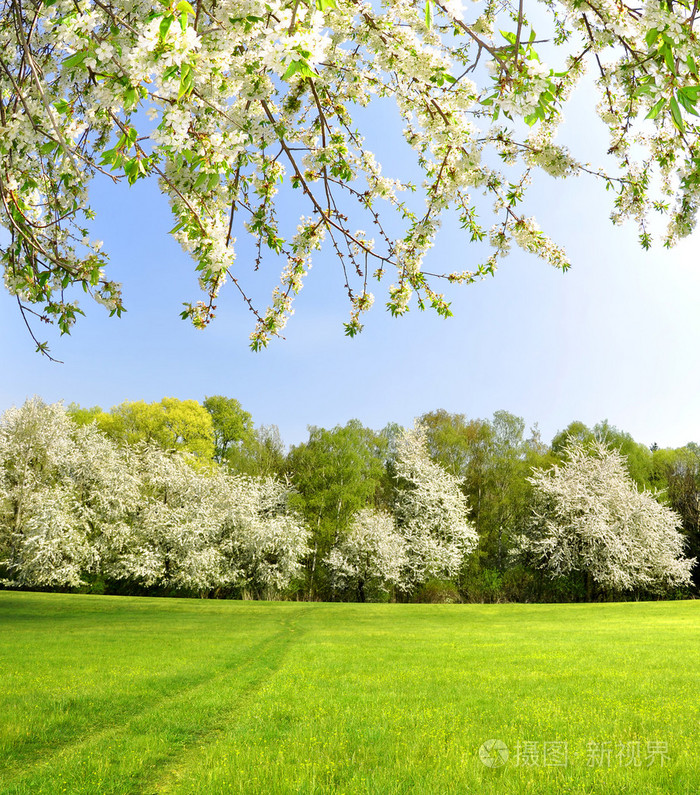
(134, 695)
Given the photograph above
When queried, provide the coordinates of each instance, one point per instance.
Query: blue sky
(616, 337)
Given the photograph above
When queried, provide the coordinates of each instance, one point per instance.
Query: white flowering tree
(371, 558)
(53, 548)
(171, 540)
(263, 541)
(232, 105)
(61, 488)
(431, 514)
(105, 479)
(590, 517)
(42, 539)
(74, 503)
(202, 529)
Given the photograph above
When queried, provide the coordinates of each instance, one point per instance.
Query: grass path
(145, 696)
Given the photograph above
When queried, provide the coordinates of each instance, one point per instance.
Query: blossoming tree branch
(230, 103)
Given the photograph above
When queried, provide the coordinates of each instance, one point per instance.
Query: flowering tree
(592, 518)
(249, 101)
(371, 558)
(61, 488)
(41, 539)
(203, 529)
(431, 513)
(74, 503)
(172, 538)
(262, 537)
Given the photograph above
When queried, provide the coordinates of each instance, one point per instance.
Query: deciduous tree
(64, 489)
(431, 513)
(592, 518)
(233, 426)
(370, 559)
(336, 472)
(172, 424)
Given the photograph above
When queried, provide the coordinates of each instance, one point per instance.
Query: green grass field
(136, 695)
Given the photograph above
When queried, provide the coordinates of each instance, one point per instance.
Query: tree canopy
(171, 424)
(241, 111)
(232, 424)
(592, 518)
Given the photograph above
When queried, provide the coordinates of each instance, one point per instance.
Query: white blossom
(371, 557)
(591, 518)
(431, 513)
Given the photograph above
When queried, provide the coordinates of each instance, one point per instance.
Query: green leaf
(676, 116)
(686, 101)
(171, 71)
(654, 112)
(690, 92)
(186, 80)
(75, 60)
(428, 14)
(301, 67)
(131, 97)
(667, 53)
(651, 37)
(184, 7)
(165, 24)
(643, 89)
(108, 157)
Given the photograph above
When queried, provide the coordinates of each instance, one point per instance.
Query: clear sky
(616, 337)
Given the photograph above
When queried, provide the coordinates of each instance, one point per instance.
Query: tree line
(182, 498)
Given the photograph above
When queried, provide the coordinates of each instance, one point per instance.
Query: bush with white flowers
(590, 517)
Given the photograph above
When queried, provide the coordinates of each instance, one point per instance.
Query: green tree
(681, 472)
(575, 431)
(266, 454)
(233, 426)
(172, 424)
(492, 459)
(336, 473)
(83, 416)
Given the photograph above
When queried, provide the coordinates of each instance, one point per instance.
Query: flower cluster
(250, 105)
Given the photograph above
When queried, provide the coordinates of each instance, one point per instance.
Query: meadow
(104, 694)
